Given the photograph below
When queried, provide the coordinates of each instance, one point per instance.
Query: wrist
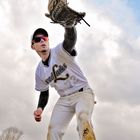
(40, 108)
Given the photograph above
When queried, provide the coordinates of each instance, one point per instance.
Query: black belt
(81, 89)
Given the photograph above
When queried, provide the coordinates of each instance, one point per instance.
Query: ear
(32, 46)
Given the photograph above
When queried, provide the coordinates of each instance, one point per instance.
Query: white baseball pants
(81, 104)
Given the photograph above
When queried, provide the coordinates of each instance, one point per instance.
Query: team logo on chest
(57, 70)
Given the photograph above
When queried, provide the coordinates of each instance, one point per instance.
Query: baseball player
(58, 69)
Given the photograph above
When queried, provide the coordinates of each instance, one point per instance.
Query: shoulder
(60, 50)
(38, 68)
(58, 47)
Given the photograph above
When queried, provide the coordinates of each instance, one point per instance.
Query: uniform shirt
(62, 73)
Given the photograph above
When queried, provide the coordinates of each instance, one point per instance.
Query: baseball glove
(60, 12)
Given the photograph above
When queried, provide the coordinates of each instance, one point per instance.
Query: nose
(42, 40)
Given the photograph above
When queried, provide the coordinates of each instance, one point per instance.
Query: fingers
(37, 117)
(37, 114)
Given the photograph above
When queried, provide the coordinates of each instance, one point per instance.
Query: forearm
(43, 99)
(70, 38)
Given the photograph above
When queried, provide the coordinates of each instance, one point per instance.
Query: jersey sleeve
(40, 85)
(61, 52)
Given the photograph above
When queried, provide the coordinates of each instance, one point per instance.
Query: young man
(58, 69)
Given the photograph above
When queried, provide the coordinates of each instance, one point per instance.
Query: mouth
(43, 45)
(43, 48)
(43, 51)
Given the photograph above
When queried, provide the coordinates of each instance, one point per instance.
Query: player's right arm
(42, 102)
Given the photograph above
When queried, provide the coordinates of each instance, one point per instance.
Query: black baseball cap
(39, 31)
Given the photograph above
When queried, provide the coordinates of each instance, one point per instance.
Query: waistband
(88, 89)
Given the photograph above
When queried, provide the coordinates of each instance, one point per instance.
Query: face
(40, 44)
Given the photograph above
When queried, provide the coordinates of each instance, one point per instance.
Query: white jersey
(62, 73)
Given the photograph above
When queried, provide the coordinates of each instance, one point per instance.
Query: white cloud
(117, 119)
(108, 54)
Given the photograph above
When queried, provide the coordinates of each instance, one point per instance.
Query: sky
(108, 54)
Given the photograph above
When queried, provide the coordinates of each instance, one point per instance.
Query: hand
(37, 114)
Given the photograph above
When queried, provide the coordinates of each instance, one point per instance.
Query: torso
(62, 73)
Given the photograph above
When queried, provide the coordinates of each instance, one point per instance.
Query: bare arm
(70, 38)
